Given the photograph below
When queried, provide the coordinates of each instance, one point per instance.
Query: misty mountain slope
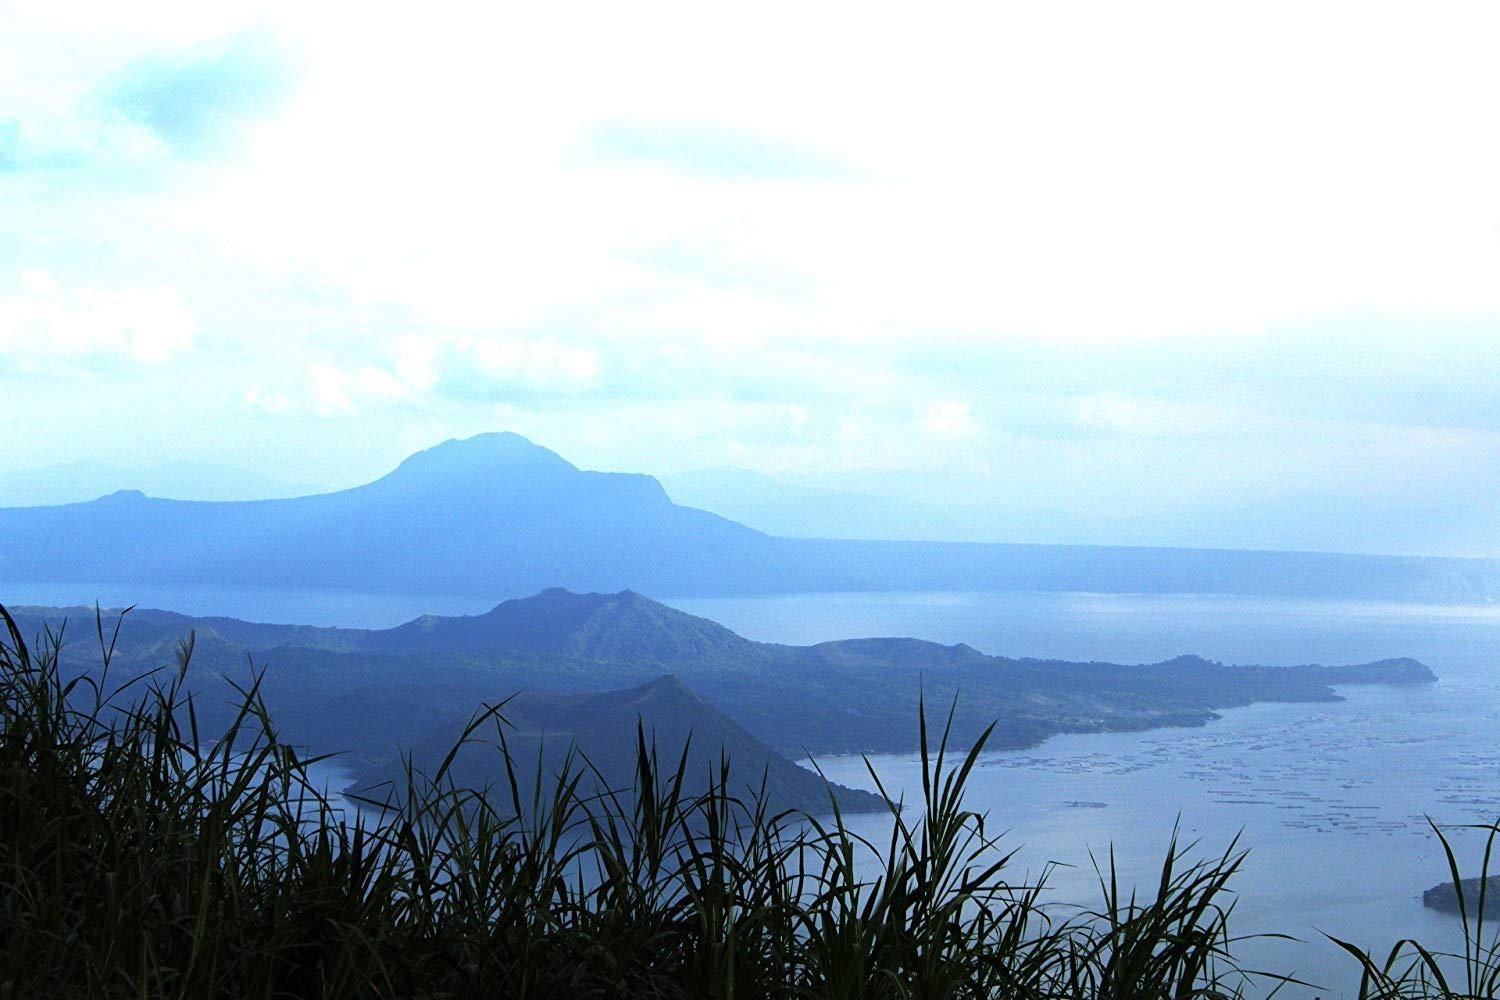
(492, 514)
(499, 516)
(541, 730)
(80, 481)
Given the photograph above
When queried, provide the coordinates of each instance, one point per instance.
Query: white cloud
(334, 390)
(273, 403)
(541, 363)
(421, 368)
(1093, 227)
(1137, 416)
(43, 321)
(947, 418)
(1076, 174)
(415, 362)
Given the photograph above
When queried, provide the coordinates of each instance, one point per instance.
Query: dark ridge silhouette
(365, 690)
(616, 627)
(541, 729)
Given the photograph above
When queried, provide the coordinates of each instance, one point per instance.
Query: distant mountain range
(494, 514)
(76, 482)
(781, 508)
(1460, 526)
(582, 668)
(498, 515)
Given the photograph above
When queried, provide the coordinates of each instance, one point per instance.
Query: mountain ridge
(558, 621)
(844, 696)
(541, 730)
(499, 515)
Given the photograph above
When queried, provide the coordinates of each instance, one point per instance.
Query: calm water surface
(1331, 799)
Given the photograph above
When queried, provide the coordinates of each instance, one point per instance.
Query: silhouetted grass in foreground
(139, 860)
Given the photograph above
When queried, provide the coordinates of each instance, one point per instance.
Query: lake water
(1330, 799)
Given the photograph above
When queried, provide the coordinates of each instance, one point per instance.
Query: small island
(1444, 897)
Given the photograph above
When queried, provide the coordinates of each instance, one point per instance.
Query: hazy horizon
(1170, 275)
(1198, 303)
(806, 509)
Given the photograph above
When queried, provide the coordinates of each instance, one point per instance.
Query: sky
(1219, 266)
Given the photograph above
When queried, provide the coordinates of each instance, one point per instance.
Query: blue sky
(1167, 262)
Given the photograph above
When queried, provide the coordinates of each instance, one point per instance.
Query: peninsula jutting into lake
(980, 501)
(372, 694)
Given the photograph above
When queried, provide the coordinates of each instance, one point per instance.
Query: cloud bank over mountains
(1114, 263)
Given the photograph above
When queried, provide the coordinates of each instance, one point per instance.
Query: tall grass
(139, 858)
(1412, 970)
